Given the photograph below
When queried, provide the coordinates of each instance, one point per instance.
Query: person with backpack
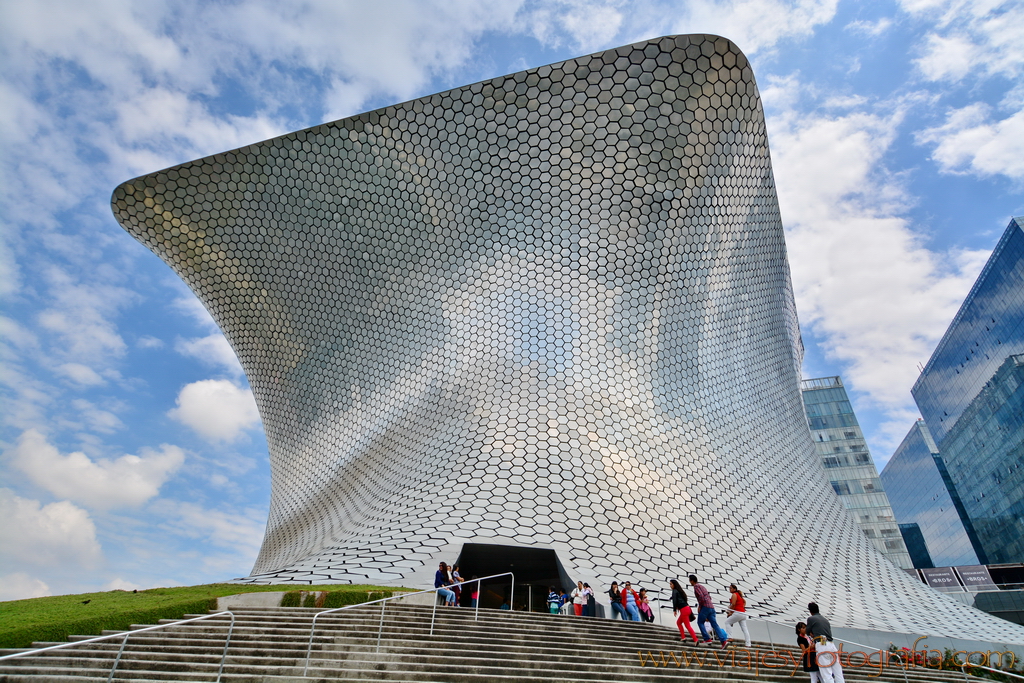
(553, 600)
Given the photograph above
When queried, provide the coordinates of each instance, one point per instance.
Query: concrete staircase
(269, 645)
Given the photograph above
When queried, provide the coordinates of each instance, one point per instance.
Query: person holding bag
(681, 607)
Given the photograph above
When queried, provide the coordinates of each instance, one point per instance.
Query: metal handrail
(987, 668)
(128, 634)
(779, 623)
(384, 601)
(851, 642)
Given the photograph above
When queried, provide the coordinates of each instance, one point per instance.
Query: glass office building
(920, 497)
(971, 397)
(844, 454)
(984, 455)
(550, 311)
(987, 329)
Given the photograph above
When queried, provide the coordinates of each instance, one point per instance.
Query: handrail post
(380, 627)
(476, 617)
(309, 647)
(117, 660)
(227, 642)
(512, 595)
(433, 614)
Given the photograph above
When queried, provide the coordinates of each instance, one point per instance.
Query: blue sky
(132, 453)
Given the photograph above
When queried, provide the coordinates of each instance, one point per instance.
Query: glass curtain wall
(851, 471)
(919, 496)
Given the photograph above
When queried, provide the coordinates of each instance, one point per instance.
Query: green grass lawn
(53, 619)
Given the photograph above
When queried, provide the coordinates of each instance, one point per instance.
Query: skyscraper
(549, 311)
(972, 399)
(921, 494)
(847, 461)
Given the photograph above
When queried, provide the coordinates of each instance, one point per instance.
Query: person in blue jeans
(706, 613)
(441, 580)
(631, 601)
(615, 595)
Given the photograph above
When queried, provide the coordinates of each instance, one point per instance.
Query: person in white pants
(830, 669)
(737, 612)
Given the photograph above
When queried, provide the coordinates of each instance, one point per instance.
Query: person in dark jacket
(590, 609)
(616, 597)
(441, 582)
(681, 608)
(808, 660)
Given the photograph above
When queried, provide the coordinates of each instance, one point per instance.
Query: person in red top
(737, 612)
(631, 602)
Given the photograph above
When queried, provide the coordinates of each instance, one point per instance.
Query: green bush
(309, 600)
(53, 619)
(292, 599)
(350, 597)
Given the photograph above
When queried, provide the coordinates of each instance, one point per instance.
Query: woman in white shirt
(579, 598)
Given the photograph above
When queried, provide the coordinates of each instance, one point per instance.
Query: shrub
(351, 597)
(292, 599)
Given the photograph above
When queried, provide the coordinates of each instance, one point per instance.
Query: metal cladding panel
(551, 309)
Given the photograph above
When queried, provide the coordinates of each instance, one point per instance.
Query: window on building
(870, 533)
(850, 435)
(862, 458)
(889, 532)
(841, 488)
(894, 545)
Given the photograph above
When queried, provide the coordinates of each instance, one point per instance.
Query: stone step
(269, 644)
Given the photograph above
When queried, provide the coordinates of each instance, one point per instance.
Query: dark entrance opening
(535, 569)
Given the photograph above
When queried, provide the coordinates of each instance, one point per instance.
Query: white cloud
(970, 141)
(238, 530)
(190, 306)
(119, 584)
(870, 28)
(589, 25)
(753, 25)
(147, 342)
(216, 408)
(231, 538)
(80, 316)
(979, 39)
(127, 481)
(19, 586)
(211, 350)
(97, 419)
(81, 374)
(865, 282)
(38, 535)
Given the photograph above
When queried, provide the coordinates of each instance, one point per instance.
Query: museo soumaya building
(548, 315)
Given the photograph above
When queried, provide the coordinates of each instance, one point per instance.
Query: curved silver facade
(551, 309)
